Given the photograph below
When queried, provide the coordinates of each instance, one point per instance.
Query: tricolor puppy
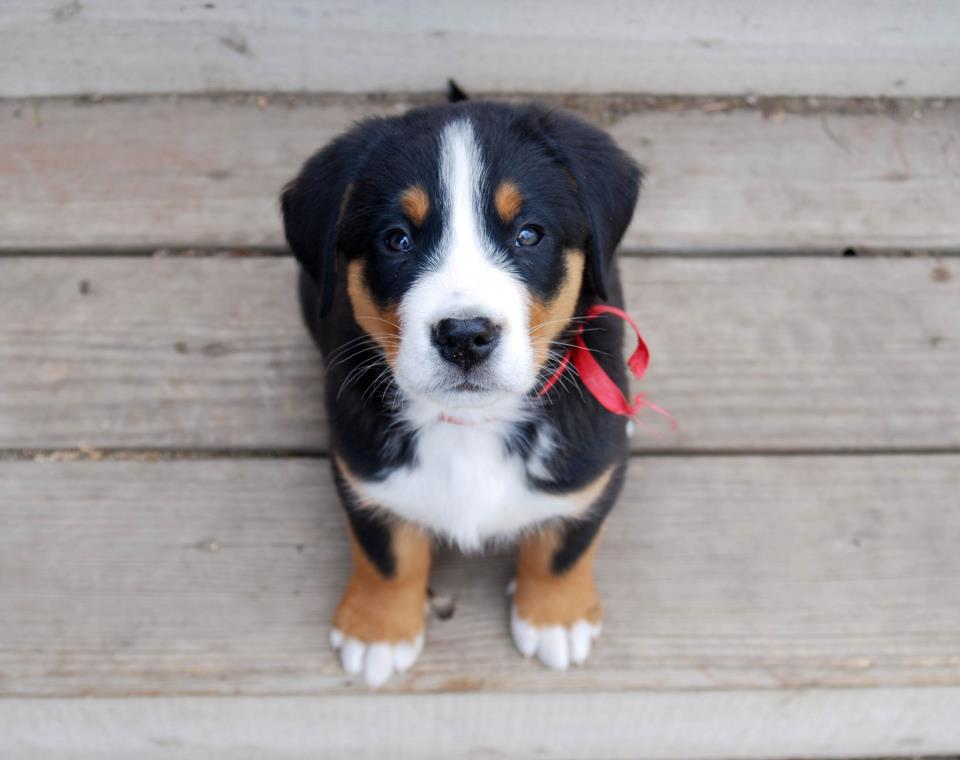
(448, 257)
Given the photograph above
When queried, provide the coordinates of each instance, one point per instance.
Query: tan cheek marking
(415, 204)
(547, 320)
(353, 482)
(383, 325)
(543, 598)
(374, 608)
(507, 200)
(587, 495)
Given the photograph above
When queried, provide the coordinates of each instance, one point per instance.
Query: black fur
(607, 187)
(370, 528)
(311, 205)
(575, 182)
(576, 536)
(455, 93)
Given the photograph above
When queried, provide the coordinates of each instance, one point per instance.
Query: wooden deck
(782, 573)
(781, 576)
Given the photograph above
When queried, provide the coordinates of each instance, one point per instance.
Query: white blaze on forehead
(469, 275)
(472, 266)
(462, 177)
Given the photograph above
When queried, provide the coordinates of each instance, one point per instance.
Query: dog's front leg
(378, 625)
(556, 609)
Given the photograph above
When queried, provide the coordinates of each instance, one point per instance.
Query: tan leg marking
(383, 325)
(374, 608)
(507, 200)
(548, 320)
(556, 615)
(415, 204)
(543, 598)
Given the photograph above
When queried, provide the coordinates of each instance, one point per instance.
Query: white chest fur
(466, 487)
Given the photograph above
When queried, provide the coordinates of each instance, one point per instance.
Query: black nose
(465, 342)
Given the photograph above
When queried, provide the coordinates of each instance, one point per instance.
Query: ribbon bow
(596, 380)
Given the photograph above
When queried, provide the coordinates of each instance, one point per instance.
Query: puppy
(448, 257)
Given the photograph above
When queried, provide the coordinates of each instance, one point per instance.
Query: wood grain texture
(749, 354)
(65, 47)
(148, 173)
(214, 347)
(220, 577)
(640, 725)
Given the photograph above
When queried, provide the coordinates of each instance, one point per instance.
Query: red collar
(457, 421)
(596, 380)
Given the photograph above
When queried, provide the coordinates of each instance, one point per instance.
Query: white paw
(377, 660)
(556, 646)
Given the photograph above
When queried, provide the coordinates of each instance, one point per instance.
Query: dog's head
(466, 235)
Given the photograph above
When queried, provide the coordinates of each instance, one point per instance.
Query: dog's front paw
(556, 646)
(553, 620)
(378, 625)
(378, 628)
(377, 661)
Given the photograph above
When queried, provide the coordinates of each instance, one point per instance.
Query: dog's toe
(556, 646)
(525, 636)
(352, 655)
(379, 664)
(406, 653)
(553, 650)
(377, 661)
(582, 635)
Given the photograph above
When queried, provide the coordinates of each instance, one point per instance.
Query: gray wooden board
(55, 47)
(127, 578)
(640, 725)
(748, 353)
(199, 172)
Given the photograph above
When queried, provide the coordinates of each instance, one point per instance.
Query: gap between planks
(241, 251)
(90, 454)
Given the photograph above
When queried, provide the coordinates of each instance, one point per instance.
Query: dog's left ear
(313, 203)
(606, 181)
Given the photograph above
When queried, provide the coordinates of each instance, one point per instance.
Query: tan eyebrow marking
(415, 203)
(507, 200)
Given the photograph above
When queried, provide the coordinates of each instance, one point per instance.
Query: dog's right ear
(313, 204)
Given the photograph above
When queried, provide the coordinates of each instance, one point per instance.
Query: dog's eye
(529, 235)
(399, 241)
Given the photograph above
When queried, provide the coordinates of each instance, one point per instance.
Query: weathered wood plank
(218, 577)
(749, 354)
(200, 172)
(56, 47)
(624, 726)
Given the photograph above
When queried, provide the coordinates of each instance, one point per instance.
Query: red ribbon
(596, 380)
